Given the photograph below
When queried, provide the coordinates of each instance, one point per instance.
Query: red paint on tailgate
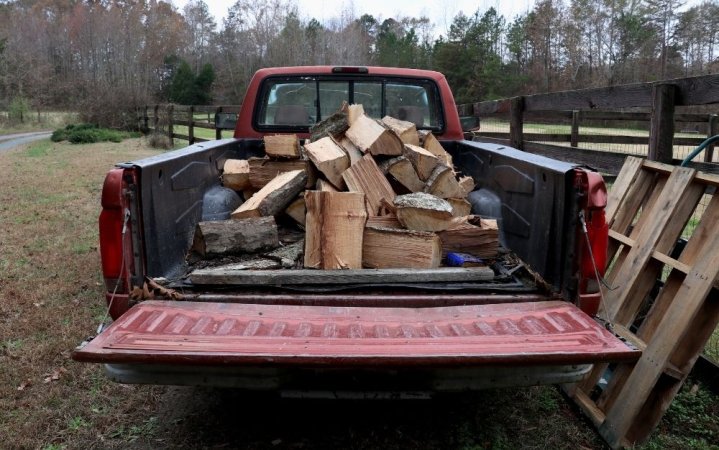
(240, 334)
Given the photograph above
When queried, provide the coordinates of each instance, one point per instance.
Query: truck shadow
(534, 417)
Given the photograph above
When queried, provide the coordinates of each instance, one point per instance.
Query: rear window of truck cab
(297, 103)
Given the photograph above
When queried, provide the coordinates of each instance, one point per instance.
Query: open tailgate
(187, 333)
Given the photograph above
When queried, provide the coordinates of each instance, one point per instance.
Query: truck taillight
(593, 257)
(112, 221)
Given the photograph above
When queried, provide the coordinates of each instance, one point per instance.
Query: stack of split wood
(367, 193)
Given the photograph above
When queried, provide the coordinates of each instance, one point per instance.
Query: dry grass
(51, 299)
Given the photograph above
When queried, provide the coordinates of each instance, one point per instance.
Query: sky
(440, 12)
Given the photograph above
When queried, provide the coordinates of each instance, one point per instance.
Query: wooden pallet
(648, 208)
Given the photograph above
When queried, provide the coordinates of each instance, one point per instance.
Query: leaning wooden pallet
(648, 209)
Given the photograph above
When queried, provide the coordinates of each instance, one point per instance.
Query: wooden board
(220, 276)
(365, 177)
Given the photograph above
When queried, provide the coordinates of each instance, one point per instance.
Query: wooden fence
(164, 118)
(659, 100)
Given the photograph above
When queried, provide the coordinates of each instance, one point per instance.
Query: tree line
(103, 57)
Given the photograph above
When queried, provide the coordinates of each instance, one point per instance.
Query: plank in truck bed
(226, 276)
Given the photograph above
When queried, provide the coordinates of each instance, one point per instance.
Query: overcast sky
(440, 12)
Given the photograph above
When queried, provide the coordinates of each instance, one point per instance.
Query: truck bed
(535, 204)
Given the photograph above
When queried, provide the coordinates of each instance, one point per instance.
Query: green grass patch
(87, 133)
(38, 149)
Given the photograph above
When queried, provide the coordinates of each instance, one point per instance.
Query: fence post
(191, 125)
(661, 134)
(170, 127)
(156, 119)
(516, 122)
(218, 131)
(713, 130)
(575, 129)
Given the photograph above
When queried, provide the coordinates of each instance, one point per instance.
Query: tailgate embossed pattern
(222, 333)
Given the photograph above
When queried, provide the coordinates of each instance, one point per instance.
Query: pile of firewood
(342, 189)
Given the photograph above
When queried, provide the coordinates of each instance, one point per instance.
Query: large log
(236, 174)
(235, 236)
(473, 235)
(282, 146)
(407, 131)
(335, 225)
(274, 197)
(423, 212)
(403, 171)
(263, 170)
(330, 159)
(371, 137)
(388, 248)
(365, 177)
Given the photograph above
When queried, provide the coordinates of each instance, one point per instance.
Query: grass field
(51, 298)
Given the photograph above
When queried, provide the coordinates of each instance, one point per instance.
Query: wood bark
(423, 212)
(367, 178)
(274, 197)
(335, 224)
(235, 236)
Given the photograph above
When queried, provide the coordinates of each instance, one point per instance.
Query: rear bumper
(348, 383)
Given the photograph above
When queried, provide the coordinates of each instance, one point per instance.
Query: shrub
(87, 133)
(159, 140)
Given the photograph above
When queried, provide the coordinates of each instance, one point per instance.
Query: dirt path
(10, 141)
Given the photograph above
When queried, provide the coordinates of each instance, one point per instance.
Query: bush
(87, 133)
(159, 140)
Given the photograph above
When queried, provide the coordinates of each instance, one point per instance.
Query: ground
(51, 298)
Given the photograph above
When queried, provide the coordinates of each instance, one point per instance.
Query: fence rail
(164, 118)
(581, 107)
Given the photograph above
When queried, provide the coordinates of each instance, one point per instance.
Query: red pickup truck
(531, 324)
